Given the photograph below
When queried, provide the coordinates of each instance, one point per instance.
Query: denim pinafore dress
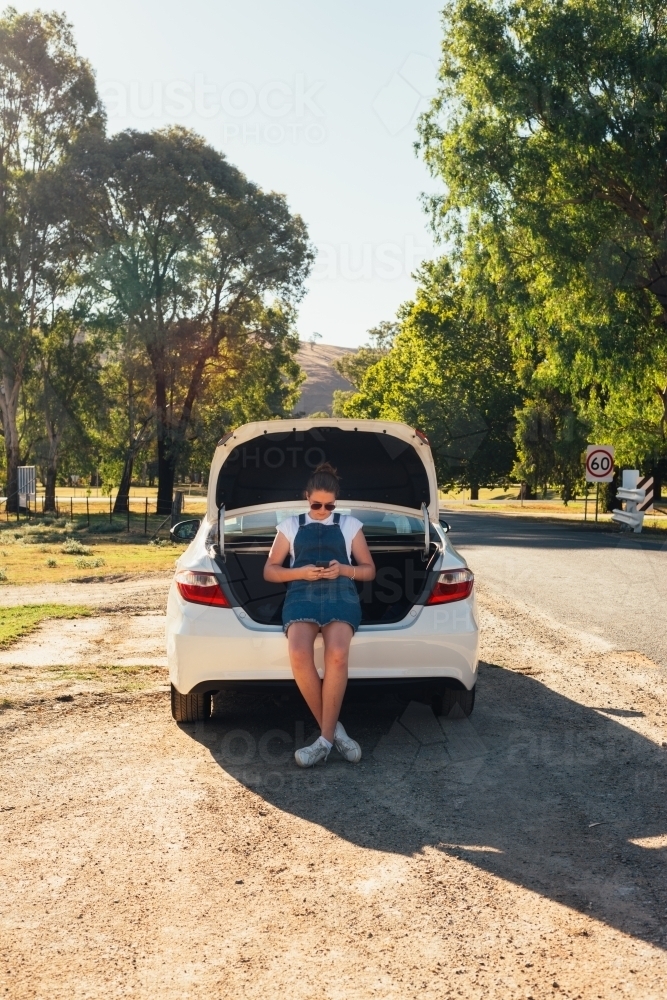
(321, 601)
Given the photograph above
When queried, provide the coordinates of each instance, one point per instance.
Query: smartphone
(322, 565)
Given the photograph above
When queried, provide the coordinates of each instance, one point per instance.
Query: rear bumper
(206, 646)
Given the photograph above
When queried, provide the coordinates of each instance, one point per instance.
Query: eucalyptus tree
(187, 248)
(48, 102)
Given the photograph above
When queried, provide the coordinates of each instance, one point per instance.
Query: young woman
(321, 596)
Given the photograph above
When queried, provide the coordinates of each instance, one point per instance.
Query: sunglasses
(319, 506)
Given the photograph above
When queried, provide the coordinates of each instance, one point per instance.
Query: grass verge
(46, 551)
(23, 619)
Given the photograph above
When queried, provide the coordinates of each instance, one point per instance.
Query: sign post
(599, 469)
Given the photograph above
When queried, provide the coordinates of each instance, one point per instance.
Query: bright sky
(316, 100)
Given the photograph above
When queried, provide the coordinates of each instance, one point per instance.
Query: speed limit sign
(599, 463)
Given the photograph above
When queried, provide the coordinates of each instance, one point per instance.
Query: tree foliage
(550, 134)
(48, 102)
(187, 252)
(450, 373)
(147, 288)
(353, 367)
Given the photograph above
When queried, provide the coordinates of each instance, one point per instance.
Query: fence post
(128, 512)
(110, 511)
(71, 509)
(146, 517)
(87, 511)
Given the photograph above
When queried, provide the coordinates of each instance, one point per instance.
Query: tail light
(200, 588)
(452, 585)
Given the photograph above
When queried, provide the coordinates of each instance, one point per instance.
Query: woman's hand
(334, 570)
(310, 573)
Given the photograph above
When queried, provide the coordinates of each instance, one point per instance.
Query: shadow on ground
(533, 788)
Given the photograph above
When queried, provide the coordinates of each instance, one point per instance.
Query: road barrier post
(633, 515)
(110, 510)
(647, 485)
(87, 512)
(146, 517)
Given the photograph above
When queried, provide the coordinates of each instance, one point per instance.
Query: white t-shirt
(350, 526)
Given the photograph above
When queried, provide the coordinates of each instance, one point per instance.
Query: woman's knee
(337, 656)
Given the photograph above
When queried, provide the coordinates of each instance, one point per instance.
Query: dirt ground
(521, 853)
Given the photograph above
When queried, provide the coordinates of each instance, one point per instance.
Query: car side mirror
(185, 531)
(445, 525)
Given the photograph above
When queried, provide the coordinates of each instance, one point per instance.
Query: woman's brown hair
(324, 478)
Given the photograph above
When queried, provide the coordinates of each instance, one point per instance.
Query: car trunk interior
(374, 467)
(403, 578)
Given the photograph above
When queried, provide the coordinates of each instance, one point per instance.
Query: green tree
(551, 441)
(128, 387)
(188, 249)
(48, 101)
(550, 134)
(449, 372)
(353, 367)
(69, 394)
(254, 377)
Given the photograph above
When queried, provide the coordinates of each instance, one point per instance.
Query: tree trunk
(13, 460)
(474, 491)
(170, 434)
(123, 496)
(136, 443)
(50, 488)
(166, 473)
(9, 400)
(51, 465)
(165, 456)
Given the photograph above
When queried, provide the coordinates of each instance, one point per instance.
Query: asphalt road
(599, 581)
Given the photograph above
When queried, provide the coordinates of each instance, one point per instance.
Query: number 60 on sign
(599, 463)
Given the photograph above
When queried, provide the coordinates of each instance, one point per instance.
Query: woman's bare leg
(301, 642)
(337, 639)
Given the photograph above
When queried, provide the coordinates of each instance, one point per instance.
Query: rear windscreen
(376, 523)
(275, 467)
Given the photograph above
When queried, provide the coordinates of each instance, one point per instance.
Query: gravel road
(521, 853)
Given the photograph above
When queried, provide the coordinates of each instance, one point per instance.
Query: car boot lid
(269, 462)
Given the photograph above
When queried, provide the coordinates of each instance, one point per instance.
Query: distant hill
(321, 377)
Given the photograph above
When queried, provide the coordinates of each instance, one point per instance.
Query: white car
(419, 616)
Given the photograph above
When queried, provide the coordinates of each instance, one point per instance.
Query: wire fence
(140, 516)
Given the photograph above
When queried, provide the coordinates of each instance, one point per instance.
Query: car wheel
(453, 702)
(190, 707)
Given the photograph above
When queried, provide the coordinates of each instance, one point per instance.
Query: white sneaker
(309, 756)
(348, 748)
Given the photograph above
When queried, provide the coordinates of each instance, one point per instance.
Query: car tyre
(453, 703)
(190, 707)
